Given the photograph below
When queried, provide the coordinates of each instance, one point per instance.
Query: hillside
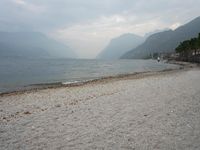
(120, 45)
(32, 44)
(165, 41)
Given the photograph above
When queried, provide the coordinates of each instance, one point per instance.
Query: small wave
(78, 81)
(70, 82)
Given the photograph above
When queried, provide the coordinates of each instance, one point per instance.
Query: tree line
(189, 47)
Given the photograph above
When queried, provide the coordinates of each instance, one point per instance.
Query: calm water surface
(17, 72)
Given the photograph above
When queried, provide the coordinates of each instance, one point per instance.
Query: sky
(87, 26)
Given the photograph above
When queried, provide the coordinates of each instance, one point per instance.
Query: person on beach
(158, 59)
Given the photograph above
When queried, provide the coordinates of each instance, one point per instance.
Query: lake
(18, 72)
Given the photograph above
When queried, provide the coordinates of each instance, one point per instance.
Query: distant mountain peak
(32, 44)
(166, 41)
(156, 31)
(120, 45)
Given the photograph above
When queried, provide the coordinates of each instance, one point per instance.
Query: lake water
(17, 72)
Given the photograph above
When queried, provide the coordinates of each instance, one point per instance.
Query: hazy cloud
(89, 25)
(29, 6)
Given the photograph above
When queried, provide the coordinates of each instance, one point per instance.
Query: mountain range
(120, 45)
(164, 42)
(32, 44)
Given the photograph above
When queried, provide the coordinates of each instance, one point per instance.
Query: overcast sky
(88, 25)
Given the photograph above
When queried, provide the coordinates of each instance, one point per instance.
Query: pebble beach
(156, 111)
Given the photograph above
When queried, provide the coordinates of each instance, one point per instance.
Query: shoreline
(136, 75)
(158, 110)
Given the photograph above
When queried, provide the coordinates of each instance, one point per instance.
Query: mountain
(155, 31)
(120, 45)
(32, 44)
(164, 42)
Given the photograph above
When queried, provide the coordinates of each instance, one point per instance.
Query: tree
(199, 41)
(187, 47)
(194, 45)
(184, 48)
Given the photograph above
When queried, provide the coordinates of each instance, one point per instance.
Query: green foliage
(199, 40)
(189, 46)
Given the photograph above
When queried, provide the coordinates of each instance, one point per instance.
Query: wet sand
(149, 111)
